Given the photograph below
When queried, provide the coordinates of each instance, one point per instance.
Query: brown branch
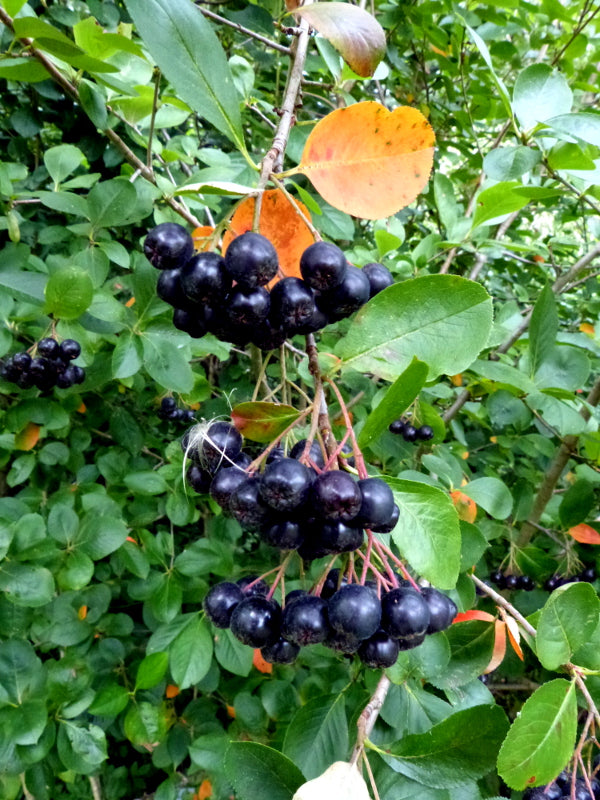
(246, 31)
(368, 718)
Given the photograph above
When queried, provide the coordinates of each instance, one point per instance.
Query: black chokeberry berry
(204, 279)
(221, 444)
(526, 582)
(304, 620)
(323, 266)
(285, 484)
(48, 348)
(315, 454)
(69, 349)
(498, 578)
(348, 296)
(340, 537)
(225, 482)
(355, 611)
(397, 426)
(169, 289)
(199, 479)
(256, 621)
(389, 526)
(248, 508)
(404, 613)
(335, 495)
(248, 308)
(286, 535)
(280, 652)
(589, 575)
(442, 609)
(512, 582)
(168, 246)
(292, 304)
(192, 322)
(379, 278)
(220, 602)
(377, 503)
(379, 651)
(251, 260)
(409, 434)
(425, 433)
(21, 361)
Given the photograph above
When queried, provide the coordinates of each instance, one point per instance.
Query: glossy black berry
(280, 652)
(21, 361)
(220, 602)
(286, 535)
(348, 297)
(251, 260)
(248, 307)
(315, 454)
(317, 321)
(355, 610)
(168, 246)
(512, 582)
(253, 586)
(379, 278)
(48, 348)
(397, 426)
(268, 336)
(553, 583)
(342, 642)
(285, 484)
(304, 620)
(377, 503)
(292, 304)
(498, 578)
(404, 613)
(204, 279)
(389, 526)
(526, 582)
(78, 373)
(340, 537)
(409, 434)
(333, 582)
(256, 621)
(323, 266)
(425, 433)
(442, 609)
(66, 379)
(169, 289)
(192, 322)
(199, 479)
(589, 575)
(379, 651)
(335, 495)
(248, 508)
(221, 444)
(70, 349)
(168, 405)
(225, 482)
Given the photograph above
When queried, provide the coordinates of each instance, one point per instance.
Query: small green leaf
(492, 495)
(509, 163)
(262, 422)
(568, 619)
(62, 160)
(112, 203)
(145, 724)
(93, 103)
(232, 655)
(584, 126)
(540, 741)
(577, 503)
(166, 362)
(127, 356)
(151, 671)
(101, 535)
(542, 328)
(540, 92)
(496, 202)
(259, 771)
(82, 748)
(190, 653)
(110, 701)
(318, 735)
(396, 400)
(27, 286)
(26, 585)
(69, 292)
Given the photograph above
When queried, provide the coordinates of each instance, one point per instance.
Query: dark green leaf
(69, 292)
(542, 328)
(259, 771)
(318, 735)
(577, 503)
(566, 621)
(151, 671)
(232, 655)
(471, 647)
(190, 653)
(26, 585)
(492, 495)
(93, 103)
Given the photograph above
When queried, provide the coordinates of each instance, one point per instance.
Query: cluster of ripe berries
(347, 617)
(560, 789)
(227, 296)
(588, 575)
(409, 433)
(50, 367)
(291, 505)
(170, 410)
(502, 581)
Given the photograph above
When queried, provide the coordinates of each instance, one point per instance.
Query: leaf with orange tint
(514, 636)
(28, 437)
(262, 422)
(355, 34)
(281, 223)
(260, 664)
(368, 161)
(456, 380)
(465, 507)
(587, 327)
(171, 691)
(499, 647)
(585, 534)
(474, 613)
(82, 612)
(202, 237)
(205, 790)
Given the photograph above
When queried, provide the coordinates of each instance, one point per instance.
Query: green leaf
(110, 701)
(259, 771)
(13, 6)
(508, 163)
(568, 619)
(145, 724)
(395, 401)
(81, 748)
(62, 160)
(69, 292)
(166, 362)
(583, 126)
(151, 671)
(318, 735)
(232, 655)
(101, 535)
(146, 483)
(93, 103)
(540, 741)
(127, 356)
(417, 318)
(564, 367)
(27, 70)
(25, 723)
(492, 495)
(460, 748)
(27, 286)
(354, 33)
(471, 647)
(445, 201)
(208, 751)
(577, 503)
(165, 602)
(485, 53)
(174, 32)
(76, 572)
(540, 92)
(21, 672)
(428, 532)
(26, 585)
(262, 422)
(497, 201)
(190, 653)
(542, 329)
(112, 203)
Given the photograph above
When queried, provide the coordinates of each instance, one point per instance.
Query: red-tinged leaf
(281, 223)
(585, 534)
(514, 636)
(499, 647)
(368, 161)
(202, 237)
(28, 437)
(260, 664)
(262, 422)
(465, 507)
(473, 613)
(354, 33)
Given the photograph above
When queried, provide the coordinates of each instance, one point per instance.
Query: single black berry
(253, 586)
(256, 621)
(286, 535)
(377, 503)
(335, 495)
(409, 434)
(285, 484)
(199, 479)
(315, 454)
(292, 304)
(379, 651)
(169, 289)
(221, 444)
(442, 609)
(192, 322)
(425, 432)
(404, 613)
(348, 296)
(379, 278)
(588, 575)
(247, 506)
(355, 610)
(248, 307)
(21, 361)
(388, 526)
(251, 260)
(168, 246)
(512, 582)
(397, 426)
(226, 481)
(526, 582)
(70, 349)
(304, 620)
(220, 602)
(323, 266)
(340, 537)
(204, 279)
(498, 578)
(280, 652)
(48, 348)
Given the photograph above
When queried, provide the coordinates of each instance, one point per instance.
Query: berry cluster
(409, 433)
(588, 575)
(170, 410)
(560, 789)
(291, 505)
(348, 619)
(227, 296)
(503, 581)
(50, 367)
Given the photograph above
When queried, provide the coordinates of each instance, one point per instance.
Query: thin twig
(369, 715)
(501, 601)
(246, 31)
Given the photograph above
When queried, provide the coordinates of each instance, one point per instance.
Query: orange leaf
(585, 534)
(466, 616)
(28, 437)
(202, 236)
(456, 380)
(204, 791)
(465, 507)
(368, 161)
(82, 612)
(130, 302)
(281, 223)
(499, 647)
(82, 408)
(230, 711)
(260, 664)
(587, 327)
(171, 690)
(514, 636)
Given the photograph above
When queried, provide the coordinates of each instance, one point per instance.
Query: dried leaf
(499, 647)
(354, 33)
(585, 534)
(465, 507)
(514, 635)
(466, 616)
(281, 223)
(368, 161)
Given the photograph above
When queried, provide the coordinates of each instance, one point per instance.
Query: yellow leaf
(368, 161)
(465, 507)
(28, 437)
